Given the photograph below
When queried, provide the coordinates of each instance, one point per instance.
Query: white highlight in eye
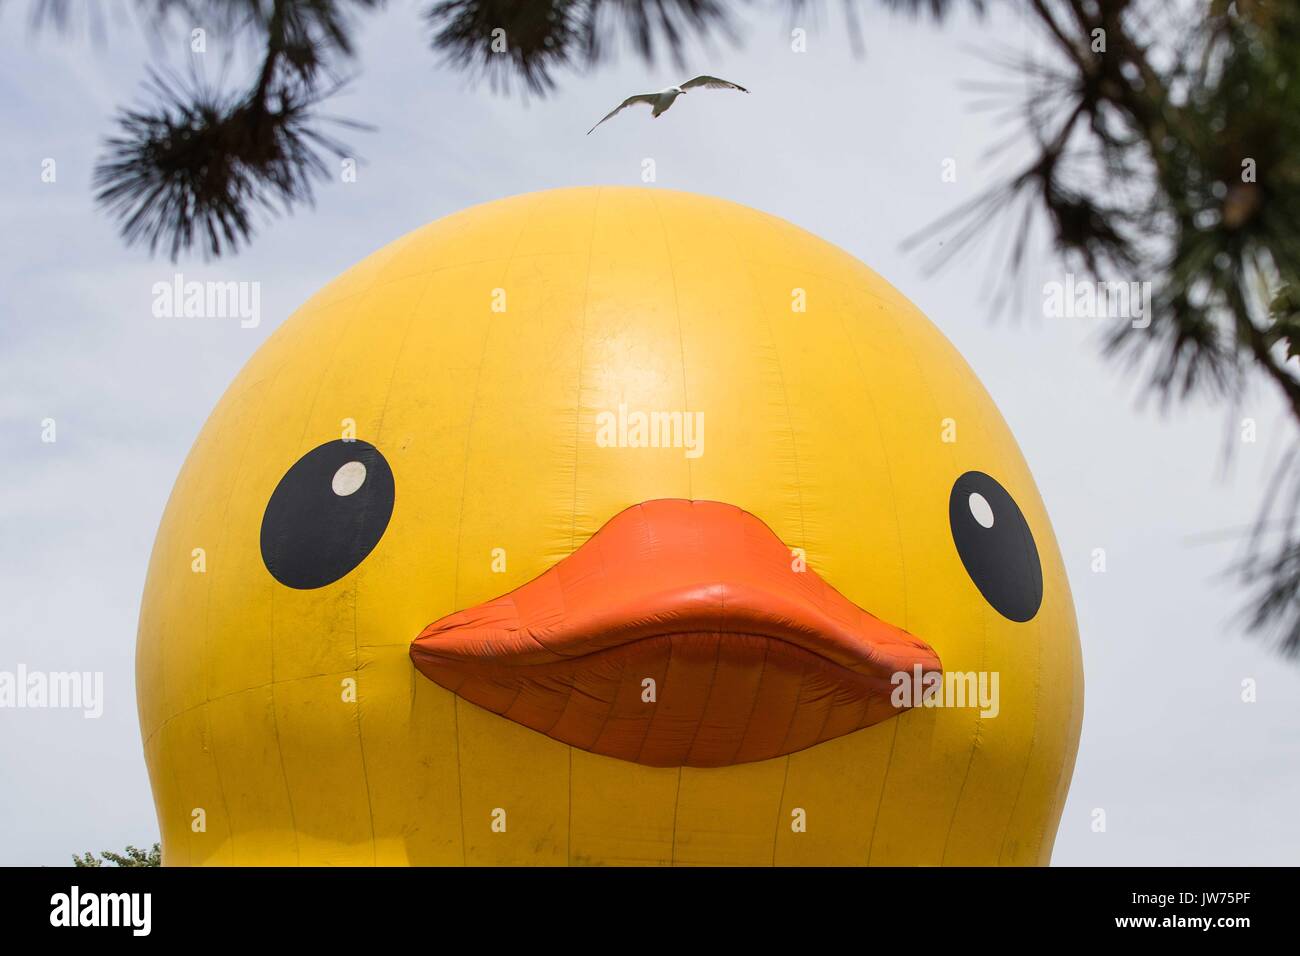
(980, 509)
(348, 478)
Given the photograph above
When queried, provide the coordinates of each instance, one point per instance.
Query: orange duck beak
(679, 634)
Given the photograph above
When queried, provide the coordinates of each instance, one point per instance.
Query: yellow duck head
(607, 525)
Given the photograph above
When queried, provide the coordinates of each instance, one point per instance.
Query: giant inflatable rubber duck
(607, 526)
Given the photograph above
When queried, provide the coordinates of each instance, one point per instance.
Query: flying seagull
(665, 98)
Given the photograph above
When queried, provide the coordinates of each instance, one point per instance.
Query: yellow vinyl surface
(286, 726)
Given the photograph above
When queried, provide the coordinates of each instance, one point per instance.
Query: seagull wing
(712, 83)
(630, 101)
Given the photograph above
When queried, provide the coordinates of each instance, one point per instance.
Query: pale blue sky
(850, 149)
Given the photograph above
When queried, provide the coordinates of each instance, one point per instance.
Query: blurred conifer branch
(1168, 150)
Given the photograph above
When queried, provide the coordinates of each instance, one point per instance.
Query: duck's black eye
(996, 545)
(327, 513)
